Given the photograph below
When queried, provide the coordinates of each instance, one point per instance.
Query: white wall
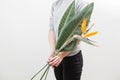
(24, 46)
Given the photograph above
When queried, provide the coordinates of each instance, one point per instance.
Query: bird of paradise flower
(85, 34)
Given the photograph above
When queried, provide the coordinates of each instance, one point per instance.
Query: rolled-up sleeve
(51, 19)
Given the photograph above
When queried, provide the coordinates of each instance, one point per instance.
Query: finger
(55, 62)
(52, 63)
(53, 58)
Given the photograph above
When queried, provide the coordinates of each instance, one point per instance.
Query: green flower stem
(39, 71)
(44, 72)
(47, 73)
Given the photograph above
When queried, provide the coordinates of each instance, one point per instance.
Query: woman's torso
(60, 7)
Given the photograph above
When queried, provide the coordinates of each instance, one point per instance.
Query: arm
(51, 33)
(52, 41)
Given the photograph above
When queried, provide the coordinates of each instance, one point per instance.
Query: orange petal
(83, 26)
(90, 34)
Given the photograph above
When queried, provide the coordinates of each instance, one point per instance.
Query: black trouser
(70, 68)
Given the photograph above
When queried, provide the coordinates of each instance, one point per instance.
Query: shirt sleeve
(51, 20)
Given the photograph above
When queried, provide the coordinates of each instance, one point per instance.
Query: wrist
(63, 54)
(51, 54)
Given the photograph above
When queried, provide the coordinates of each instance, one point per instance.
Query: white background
(24, 45)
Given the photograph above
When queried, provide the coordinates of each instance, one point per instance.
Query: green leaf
(71, 27)
(69, 13)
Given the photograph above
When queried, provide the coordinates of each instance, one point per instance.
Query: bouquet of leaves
(71, 29)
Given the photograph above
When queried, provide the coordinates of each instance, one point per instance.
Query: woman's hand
(56, 60)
